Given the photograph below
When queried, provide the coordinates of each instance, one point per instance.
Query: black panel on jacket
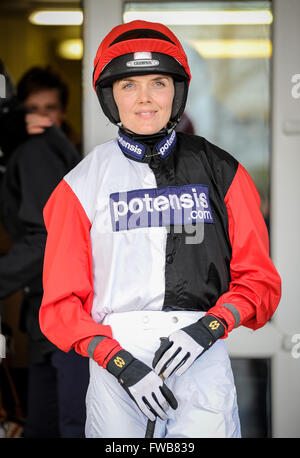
(197, 161)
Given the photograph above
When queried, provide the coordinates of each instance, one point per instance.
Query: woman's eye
(128, 86)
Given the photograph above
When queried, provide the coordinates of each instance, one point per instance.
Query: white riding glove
(178, 351)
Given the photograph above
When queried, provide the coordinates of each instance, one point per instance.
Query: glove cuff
(214, 326)
(223, 322)
(206, 330)
(119, 362)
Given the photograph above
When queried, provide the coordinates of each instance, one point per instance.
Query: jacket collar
(138, 150)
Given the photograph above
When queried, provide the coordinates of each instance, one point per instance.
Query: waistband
(148, 320)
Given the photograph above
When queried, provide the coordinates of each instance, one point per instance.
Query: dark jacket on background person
(32, 172)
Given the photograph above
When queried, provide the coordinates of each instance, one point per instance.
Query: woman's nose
(144, 94)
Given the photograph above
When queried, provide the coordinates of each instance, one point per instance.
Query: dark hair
(38, 79)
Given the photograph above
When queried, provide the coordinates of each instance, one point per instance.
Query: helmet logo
(142, 59)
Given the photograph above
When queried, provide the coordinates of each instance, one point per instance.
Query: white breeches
(206, 394)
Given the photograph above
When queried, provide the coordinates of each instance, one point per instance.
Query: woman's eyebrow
(158, 77)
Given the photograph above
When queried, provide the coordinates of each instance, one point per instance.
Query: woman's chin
(145, 129)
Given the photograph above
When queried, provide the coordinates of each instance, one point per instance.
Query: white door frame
(285, 216)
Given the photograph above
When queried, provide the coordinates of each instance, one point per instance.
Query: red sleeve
(255, 287)
(68, 278)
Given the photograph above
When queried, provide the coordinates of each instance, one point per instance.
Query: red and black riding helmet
(140, 48)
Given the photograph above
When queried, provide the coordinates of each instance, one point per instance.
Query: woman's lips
(146, 114)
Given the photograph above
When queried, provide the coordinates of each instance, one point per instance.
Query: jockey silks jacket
(175, 226)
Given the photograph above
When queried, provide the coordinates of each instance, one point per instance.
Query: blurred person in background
(45, 97)
(38, 147)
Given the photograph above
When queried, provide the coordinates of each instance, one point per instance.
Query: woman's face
(144, 102)
(46, 103)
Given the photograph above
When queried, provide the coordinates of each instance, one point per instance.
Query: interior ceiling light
(225, 17)
(71, 49)
(56, 17)
(233, 49)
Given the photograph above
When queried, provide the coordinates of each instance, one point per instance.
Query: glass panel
(253, 385)
(229, 49)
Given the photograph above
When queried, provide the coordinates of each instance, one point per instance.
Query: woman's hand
(178, 352)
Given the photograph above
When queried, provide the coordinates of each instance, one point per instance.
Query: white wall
(100, 17)
(285, 214)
